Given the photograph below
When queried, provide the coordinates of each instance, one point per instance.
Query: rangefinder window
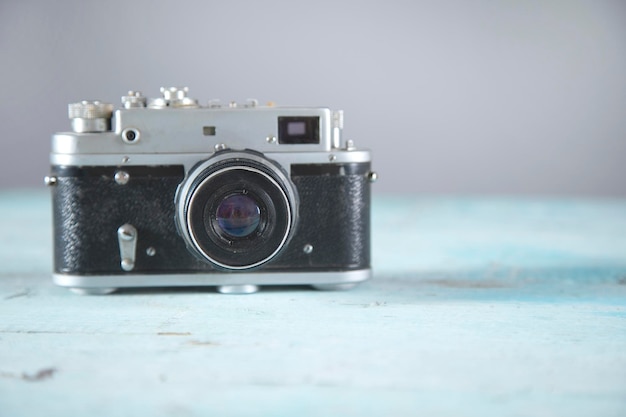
(295, 130)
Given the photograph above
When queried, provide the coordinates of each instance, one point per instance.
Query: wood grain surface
(478, 307)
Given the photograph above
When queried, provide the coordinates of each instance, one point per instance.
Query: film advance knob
(90, 116)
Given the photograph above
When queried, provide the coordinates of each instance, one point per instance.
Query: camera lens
(237, 210)
(238, 215)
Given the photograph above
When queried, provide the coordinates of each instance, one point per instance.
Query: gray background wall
(508, 97)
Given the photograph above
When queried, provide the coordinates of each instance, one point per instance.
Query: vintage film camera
(166, 192)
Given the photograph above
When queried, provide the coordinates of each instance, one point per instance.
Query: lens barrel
(237, 210)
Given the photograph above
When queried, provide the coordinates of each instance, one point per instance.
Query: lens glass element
(238, 215)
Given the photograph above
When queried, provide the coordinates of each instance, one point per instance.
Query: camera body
(166, 192)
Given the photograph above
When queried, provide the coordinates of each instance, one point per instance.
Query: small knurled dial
(90, 116)
(90, 110)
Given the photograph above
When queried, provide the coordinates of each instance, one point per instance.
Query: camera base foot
(92, 291)
(238, 289)
(335, 287)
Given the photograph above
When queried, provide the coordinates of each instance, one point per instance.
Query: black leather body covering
(89, 207)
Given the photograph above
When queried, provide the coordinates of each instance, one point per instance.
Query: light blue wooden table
(478, 307)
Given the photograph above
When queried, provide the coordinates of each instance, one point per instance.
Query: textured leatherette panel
(89, 206)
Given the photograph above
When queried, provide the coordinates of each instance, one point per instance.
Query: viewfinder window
(298, 130)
